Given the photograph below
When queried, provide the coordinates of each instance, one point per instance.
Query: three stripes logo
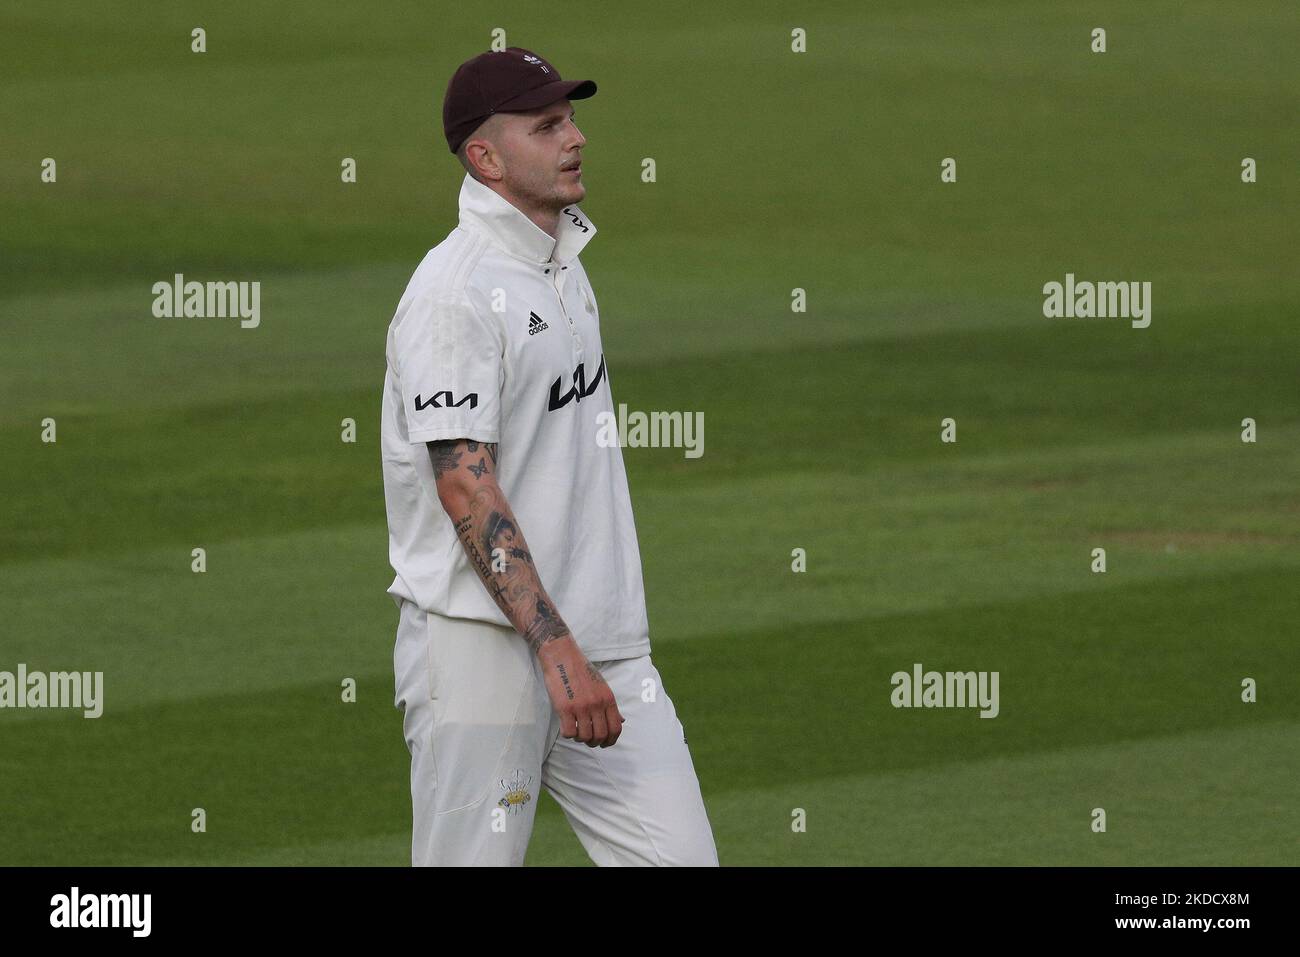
(536, 324)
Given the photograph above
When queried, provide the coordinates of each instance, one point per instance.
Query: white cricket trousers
(484, 740)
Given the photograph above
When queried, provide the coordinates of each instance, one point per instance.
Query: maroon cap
(512, 80)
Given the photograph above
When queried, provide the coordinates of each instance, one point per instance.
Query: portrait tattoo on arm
(488, 533)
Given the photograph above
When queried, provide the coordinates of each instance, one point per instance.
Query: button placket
(559, 296)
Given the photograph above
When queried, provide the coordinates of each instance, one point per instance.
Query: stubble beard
(557, 194)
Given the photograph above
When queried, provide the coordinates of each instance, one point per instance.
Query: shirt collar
(518, 235)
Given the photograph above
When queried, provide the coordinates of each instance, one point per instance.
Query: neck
(546, 218)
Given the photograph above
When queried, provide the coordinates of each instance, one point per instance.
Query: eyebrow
(552, 118)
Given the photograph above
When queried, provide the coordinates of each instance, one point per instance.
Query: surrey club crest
(516, 792)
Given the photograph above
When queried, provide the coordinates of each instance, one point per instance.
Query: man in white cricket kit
(522, 658)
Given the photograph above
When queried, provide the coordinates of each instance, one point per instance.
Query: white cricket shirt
(497, 339)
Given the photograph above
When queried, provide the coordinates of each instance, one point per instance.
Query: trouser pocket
(488, 727)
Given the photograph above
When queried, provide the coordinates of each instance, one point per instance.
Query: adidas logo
(536, 324)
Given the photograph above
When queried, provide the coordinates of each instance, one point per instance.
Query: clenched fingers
(614, 722)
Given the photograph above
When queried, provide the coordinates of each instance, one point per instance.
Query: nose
(581, 140)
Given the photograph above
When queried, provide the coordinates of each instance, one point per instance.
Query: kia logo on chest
(580, 388)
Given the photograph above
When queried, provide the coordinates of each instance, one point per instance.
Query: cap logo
(528, 58)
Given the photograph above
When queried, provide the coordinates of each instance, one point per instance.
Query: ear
(484, 158)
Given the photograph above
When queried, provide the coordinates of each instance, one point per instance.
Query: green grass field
(776, 170)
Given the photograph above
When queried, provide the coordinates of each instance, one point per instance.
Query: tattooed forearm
(464, 531)
(545, 626)
(495, 545)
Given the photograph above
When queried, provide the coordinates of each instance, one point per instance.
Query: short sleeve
(451, 369)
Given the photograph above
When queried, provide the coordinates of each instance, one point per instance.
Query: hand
(580, 696)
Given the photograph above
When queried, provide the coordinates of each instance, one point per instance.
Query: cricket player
(522, 658)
